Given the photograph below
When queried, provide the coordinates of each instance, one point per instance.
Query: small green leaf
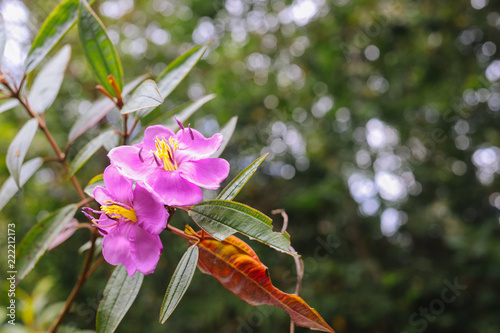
(211, 214)
(97, 111)
(3, 38)
(40, 237)
(177, 70)
(179, 283)
(57, 24)
(48, 81)
(93, 183)
(98, 48)
(9, 105)
(119, 294)
(227, 132)
(144, 99)
(234, 187)
(90, 149)
(19, 147)
(10, 188)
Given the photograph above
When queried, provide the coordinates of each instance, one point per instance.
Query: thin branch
(94, 267)
(181, 233)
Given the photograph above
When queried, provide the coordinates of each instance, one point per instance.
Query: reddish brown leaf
(236, 266)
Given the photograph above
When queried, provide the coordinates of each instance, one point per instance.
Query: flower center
(116, 210)
(165, 152)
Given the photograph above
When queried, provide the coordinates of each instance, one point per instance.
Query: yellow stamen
(116, 212)
(165, 152)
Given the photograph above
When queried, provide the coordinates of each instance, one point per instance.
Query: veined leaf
(177, 70)
(57, 24)
(237, 267)
(90, 149)
(3, 38)
(93, 183)
(144, 99)
(19, 147)
(9, 105)
(119, 294)
(40, 237)
(98, 48)
(179, 283)
(234, 187)
(97, 111)
(209, 215)
(48, 81)
(10, 188)
(227, 132)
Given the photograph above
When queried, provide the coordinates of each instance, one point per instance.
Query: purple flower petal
(153, 132)
(120, 186)
(116, 247)
(150, 211)
(174, 190)
(102, 194)
(145, 251)
(207, 173)
(198, 148)
(126, 159)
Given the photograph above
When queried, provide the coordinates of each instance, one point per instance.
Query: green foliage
(19, 147)
(144, 99)
(90, 149)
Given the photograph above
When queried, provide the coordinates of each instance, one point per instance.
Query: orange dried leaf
(236, 266)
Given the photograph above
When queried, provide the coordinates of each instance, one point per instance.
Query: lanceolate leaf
(144, 99)
(3, 38)
(9, 105)
(234, 187)
(178, 69)
(48, 81)
(97, 111)
(90, 149)
(19, 147)
(227, 132)
(179, 283)
(10, 188)
(209, 215)
(93, 183)
(40, 237)
(119, 294)
(236, 266)
(98, 48)
(60, 20)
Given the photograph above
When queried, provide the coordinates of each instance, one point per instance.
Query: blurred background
(381, 120)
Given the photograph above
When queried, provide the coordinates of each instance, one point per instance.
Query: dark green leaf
(179, 283)
(234, 187)
(40, 237)
(178, 69)
(144, 99)
(97, 111)
(90, 149)
(119, 294)
(227, 132)
(10, 188)
(93, 183)
(19, 147)
(48, 81)
(9, 105)
(211, 214)
(98, 48)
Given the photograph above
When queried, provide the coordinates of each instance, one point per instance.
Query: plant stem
(181, 233)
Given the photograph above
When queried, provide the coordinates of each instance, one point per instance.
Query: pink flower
(130, 220)
(174, 166)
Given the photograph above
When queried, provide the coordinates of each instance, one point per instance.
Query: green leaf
(98, 48)
(57, 24)
(90, 149)
(119, 294)
(227, 132)
(211, 214)
(48, 81)
(3, 38)
(19, 147)
(97, 111)
(144, 99)
(9, 105)
(10, 188)
(179, 283)
(40, 237)
(93, 183)
(177, 70)
(234, 187)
